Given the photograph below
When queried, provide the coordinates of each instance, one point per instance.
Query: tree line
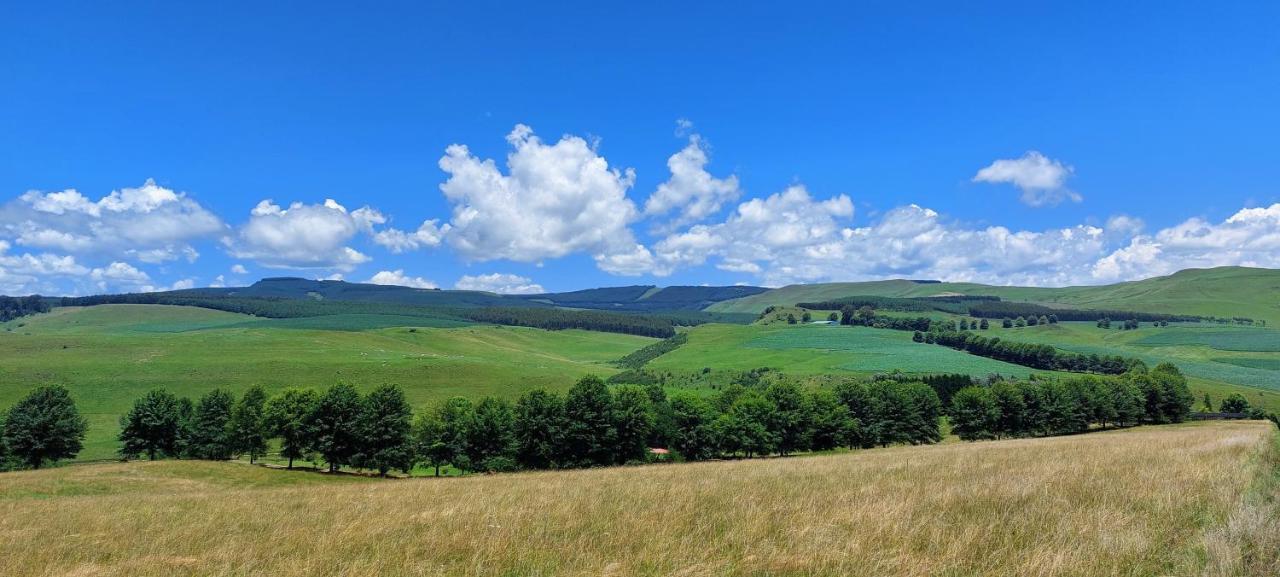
(659, 325)
(43, 427)
(1066, 406)
(592, 424)
(1036, 356)
(14, 307)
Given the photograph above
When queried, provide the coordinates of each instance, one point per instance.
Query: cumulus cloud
(27, 273)
(791, 237)
(302, 236)
(121, 276)
(429, 234)
(1250, 237)
(499, 283)
(764, 230)
(149, 223)
(1042, 180)
(691, 191)
(239, 269)
(398, 278)
(555, 199)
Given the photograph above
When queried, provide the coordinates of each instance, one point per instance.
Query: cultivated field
(1222, 291)
(1170, 500)
(110, 355)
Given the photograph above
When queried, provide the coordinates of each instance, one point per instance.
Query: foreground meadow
(1171, 500)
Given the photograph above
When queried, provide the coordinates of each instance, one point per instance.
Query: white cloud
(774, 229)
(429, 234)
(691, 190)
(1041, 180)
(555, 199)
(499, 283)
(27, 273)
(219, 281)
(398, 278)
(1250, 237)
(149, 223)
(239, 269)
(301, 236)
(122, 277)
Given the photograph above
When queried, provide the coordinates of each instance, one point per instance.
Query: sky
(550, 147)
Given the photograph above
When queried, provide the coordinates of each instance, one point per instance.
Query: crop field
(820, 349)
(110, 355)
(1220, 371)
(1223, 291)
(1045, 507)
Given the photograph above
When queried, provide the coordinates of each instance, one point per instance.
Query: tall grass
(1171, 500)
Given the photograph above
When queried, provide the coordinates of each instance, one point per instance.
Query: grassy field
(1224, 292)
(1220, 360)
(798, 349)
(1173, 500)
(110, 355)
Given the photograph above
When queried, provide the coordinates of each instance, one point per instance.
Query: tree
(1032, 320)
(151, 426)
(1053, 319)
(539, 429)
(1020, 322)
(964, 324)
(789, 419)
(1012, 408)
(1206, 404)
(385, 421)
(693, 434)
(429, 447)
(791, 319)
(833, 317)
(632, 423)
(1234, 403)
(984, 325)
(975, 414)
(491, 435)
(43, 427)
(831, 424)
(455, 420)
(1176, 394)
(286, 416)
(589, 433)
(745, 428)
(248, 428)
(806, 317)
(918, 337)
(210, 427)
(1043, 320)
(1007, 323)
(334, 425)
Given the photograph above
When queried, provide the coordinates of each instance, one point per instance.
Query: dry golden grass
(1178, 500)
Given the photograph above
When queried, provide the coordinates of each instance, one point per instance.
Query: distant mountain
(1220, 292)
(627, 298)
(647, 297)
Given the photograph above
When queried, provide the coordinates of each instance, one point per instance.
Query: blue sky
(1012, 142)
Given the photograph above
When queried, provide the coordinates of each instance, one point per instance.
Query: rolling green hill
(1221, 292)
(109, 355)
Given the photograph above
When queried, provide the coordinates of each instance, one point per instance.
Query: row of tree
(1036, 356)
(591, 425)
(14, 307)
(1074, 405)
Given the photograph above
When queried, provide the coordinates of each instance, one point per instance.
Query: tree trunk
(290, 462)
(437, 469)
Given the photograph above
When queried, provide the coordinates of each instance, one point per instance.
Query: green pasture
(110, 355)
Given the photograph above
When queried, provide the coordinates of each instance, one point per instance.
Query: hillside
(626, 298)
(1194, 500)
(109, 355)
(1222, 292)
